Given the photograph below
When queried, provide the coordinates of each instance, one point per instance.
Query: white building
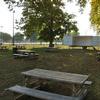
(81, 40)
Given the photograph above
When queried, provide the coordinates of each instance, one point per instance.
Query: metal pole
(13, 28)
(1, 35)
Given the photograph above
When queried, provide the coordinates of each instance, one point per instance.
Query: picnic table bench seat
(20, 55)
(26, 55)
(42, 94)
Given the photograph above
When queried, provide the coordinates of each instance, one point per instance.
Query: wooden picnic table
(64, 77)
(56, 75)
(45, 75)
(26, 51)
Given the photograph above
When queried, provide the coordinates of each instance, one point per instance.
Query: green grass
(67, 60)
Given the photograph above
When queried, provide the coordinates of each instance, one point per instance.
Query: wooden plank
(57, 76)
(26, 51)
(20, 55)
(82, 94)
(40, 94)
(87, 82)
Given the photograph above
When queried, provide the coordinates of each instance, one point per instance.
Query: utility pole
(1, 35)
(13, 28)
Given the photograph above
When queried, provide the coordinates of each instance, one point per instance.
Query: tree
(33, 37)
(18, 37)
(95, 14)
(46, 18)
(5, 37)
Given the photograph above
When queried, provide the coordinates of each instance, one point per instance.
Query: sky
(6, 18)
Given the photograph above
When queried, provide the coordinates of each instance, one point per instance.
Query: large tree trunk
(51, 32)
(51, 43)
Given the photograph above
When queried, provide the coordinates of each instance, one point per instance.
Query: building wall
(82, 40)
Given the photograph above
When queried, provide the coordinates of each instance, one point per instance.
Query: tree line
(5, 37)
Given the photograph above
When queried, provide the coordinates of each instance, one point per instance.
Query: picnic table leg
(27, 80)
(73, 89)
(18, 96)
(32, 82)
(15, 96)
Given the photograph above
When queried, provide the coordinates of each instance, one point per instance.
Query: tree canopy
(5, 37)
(46, 18)
(18, 37)
(95, 14)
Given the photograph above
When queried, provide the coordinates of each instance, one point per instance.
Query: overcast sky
(6, 18)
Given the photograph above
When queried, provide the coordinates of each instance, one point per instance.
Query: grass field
(64, 59)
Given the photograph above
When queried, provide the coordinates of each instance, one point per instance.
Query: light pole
(13, 28)
(1, 35)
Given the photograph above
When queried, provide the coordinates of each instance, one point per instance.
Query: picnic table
(42, 74)
(56, 75)
(25, 54)
(70, 78)
(26, 51)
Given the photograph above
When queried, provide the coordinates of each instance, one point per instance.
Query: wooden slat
(87, 82)
(26, 51)
(39, 94)
(20, 55)
(57, 76)
(82, 94)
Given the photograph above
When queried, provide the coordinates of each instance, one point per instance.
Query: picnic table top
(28, 51)
(57, 76)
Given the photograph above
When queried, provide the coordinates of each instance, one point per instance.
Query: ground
(63, 59)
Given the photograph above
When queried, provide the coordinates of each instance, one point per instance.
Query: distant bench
(43, 94)
(18, 55)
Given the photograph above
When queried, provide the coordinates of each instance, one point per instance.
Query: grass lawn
(67, 60)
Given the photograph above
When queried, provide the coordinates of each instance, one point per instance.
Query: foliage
(5, 37)
(95, 14)
(18, 37)
(46, 18)
(33, 37)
